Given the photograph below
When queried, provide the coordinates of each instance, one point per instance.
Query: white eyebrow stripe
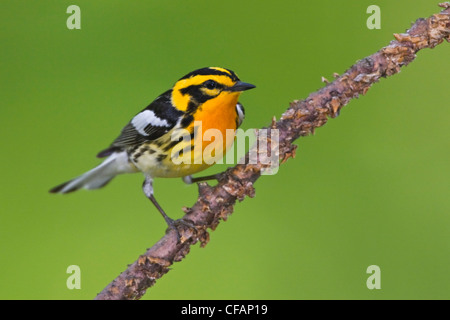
(145, 118)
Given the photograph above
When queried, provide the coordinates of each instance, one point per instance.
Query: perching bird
(161, 140)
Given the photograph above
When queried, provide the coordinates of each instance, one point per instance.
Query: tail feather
(98, 177)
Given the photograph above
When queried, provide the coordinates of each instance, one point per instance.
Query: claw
(176, 224)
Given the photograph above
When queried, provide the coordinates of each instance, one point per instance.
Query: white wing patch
(145, 118)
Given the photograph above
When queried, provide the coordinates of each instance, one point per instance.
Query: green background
(369, 188)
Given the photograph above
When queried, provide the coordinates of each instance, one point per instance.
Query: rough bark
(300, 119)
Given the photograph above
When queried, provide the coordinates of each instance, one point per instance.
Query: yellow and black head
(206, 84)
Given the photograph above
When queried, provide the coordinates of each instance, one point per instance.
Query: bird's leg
(148, 190)
(189, 179)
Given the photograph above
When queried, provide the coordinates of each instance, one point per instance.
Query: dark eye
(210, 84)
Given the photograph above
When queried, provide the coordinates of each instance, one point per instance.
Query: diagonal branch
(300, 119)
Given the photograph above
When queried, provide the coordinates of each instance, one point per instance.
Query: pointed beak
(241, 86)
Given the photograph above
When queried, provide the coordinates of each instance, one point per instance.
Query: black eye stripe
(195, 89)
(210, 84)
(189, 89)
(197, 95)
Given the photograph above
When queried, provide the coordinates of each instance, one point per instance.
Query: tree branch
(300, 119)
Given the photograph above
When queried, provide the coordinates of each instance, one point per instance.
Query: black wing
(149, 124)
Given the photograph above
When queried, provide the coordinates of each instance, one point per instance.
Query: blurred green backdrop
(371, 187)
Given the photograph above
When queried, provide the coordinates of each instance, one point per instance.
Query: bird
(165, 132)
